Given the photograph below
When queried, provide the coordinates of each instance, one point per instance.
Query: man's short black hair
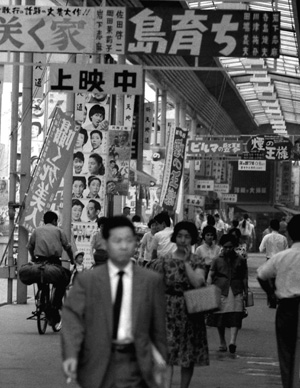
(163, 217)
(96, 204)
(275, 225)
(49, 217)
(116, 222)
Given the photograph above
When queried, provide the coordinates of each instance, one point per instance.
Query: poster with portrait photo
(96, 116)
(118, 160)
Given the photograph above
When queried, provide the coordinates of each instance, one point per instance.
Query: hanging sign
(47, 29)
(252, 165)
(194, 32)
(272, 147)
(213, 147)
(173, 168)
(56, 155)
(230, 198)
(204, 184)
(112, 79)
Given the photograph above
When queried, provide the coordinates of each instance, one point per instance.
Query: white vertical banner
(148, 122)
(128, 110)
(38, 73)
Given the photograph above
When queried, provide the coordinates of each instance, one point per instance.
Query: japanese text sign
(195, 32)
(194, 200)
(113, 79)
(213, 147)
(204, 184)
(47, 29)
(110, 28)
(230, 198)
(56, 154)
(174, 168)
(252, 165)
(273, 147)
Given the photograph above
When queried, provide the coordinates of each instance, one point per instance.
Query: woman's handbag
(205, 299)
(250, 299)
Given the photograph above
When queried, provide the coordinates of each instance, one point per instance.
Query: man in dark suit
(107, 343)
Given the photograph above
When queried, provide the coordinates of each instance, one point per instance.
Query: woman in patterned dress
(182, 270)
(229, 272)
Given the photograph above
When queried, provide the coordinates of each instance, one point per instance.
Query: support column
(115, 202)
(25, 167)
(13, 168)
(140, 147)
(163, 118)
(68, 176)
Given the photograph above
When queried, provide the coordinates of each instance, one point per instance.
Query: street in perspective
(30, 360)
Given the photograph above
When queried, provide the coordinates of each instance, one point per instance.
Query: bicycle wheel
(42, 302)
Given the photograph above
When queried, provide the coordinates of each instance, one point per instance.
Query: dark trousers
(123, 372)
(286, 334)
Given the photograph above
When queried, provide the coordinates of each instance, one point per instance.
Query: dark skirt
(233, 319)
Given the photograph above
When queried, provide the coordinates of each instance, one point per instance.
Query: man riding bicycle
(46, 244)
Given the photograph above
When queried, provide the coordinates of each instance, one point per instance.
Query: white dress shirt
(285, 267)
(125, 322)
(273, 243)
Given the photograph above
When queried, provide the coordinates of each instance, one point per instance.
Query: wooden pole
(25, 167)
(13, 168)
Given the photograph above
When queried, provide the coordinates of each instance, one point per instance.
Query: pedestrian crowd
(135, 294)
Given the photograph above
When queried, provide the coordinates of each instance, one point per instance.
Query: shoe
(232, 348)
(55, 317)
(222, 349)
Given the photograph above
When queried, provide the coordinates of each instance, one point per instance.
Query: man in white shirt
(285, 268)
(114, 318)
(273, 243)
(161, 243)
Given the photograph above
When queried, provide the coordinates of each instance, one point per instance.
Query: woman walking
(182, 270)
(229, 272)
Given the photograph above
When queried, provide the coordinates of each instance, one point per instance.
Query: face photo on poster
(96, 116)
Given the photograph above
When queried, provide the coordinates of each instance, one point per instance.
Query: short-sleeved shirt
(162, 242)
(208, 252)
(273, 243)
(48, 241)
(285, 267)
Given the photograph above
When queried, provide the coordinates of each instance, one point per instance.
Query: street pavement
(30, 360)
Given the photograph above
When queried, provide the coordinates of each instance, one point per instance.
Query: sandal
(223, 349)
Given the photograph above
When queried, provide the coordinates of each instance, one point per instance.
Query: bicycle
(44, 313)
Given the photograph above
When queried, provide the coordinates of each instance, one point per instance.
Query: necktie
(117, 304)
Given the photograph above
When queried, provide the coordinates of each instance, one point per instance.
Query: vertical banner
(128, 110)
(173, 168)
(148, 122)
(50, 170)
(119, 145)
(38, 73)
